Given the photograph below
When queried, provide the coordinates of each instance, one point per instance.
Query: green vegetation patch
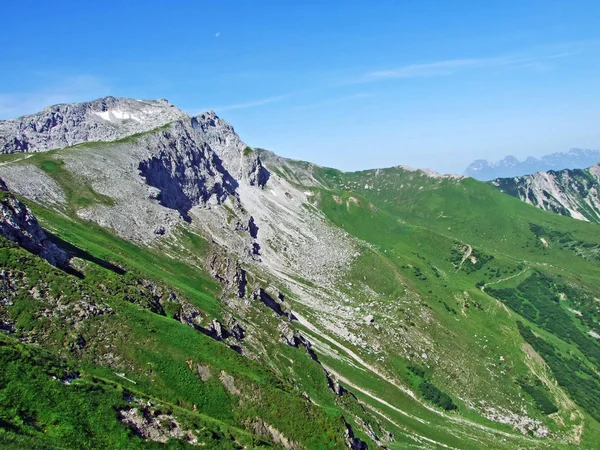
(46, 403)
(581, 382)
(538, 299)
(540, 395)
(429, 391)
(78, 192)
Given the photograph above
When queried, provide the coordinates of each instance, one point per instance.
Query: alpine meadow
(338, 225)
(164, 284)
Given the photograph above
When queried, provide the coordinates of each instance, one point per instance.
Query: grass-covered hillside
(317, 309)
(109, 339)
(510, 291)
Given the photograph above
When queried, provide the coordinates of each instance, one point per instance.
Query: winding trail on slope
(465, 256)
(7, 163)
(505, 279)
(487, 429)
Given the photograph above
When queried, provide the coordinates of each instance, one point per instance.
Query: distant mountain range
(510, 166)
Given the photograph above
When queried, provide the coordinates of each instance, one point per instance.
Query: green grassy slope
(541, 266)
(503, 297)
(149, 355)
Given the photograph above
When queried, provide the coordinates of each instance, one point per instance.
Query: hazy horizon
(342, 84)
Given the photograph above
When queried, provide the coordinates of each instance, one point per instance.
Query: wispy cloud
(67, 90)
(453, 66)
(252, 104)
(534, 60)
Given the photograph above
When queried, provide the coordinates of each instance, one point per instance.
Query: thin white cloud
(217, 34)
(453, 66)
(252, 104)
(68, 90)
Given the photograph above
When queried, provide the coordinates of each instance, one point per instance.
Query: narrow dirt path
(7, 163)
(465, 256)
(505, 279)
(373, 370)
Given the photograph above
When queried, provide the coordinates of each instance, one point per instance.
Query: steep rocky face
(106, 119)
(152, 180)
(511, 167)
(185, 171)
(572, 193)
(241, 161)
(19, 225)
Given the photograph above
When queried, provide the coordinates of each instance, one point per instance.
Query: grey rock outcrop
(259, 427)
(105, 119)
(185, 171)
(242, 162)
(572, 193)
(229, 272)
(18, 224)
(151, 423)
(278, 306)
(511, 167)
(353, 442)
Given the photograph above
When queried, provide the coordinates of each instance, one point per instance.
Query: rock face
(153, 180)
(149, 422)
(229, 273)
(511, 167)
(185, 171)
(352, 442)
(106, 119)
(572, 193)
(241, 161)
(19, 225)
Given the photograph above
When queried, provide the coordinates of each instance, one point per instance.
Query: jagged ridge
(572, 193)
(105, 119)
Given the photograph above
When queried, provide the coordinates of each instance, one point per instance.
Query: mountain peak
(510, 166)
(104, 119)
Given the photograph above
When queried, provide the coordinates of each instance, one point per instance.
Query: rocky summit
(572, 193)
(106, 119)
(163, 284)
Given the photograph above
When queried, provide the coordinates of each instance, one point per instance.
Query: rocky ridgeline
(105, 119)
(572, 193)
(510, 166)
(18, 224)
(184, 170)
(239, 160)
(153, 179)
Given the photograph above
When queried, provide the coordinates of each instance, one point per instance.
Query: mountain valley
(163, 284)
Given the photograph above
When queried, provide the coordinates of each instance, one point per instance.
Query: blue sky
(348, 84)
